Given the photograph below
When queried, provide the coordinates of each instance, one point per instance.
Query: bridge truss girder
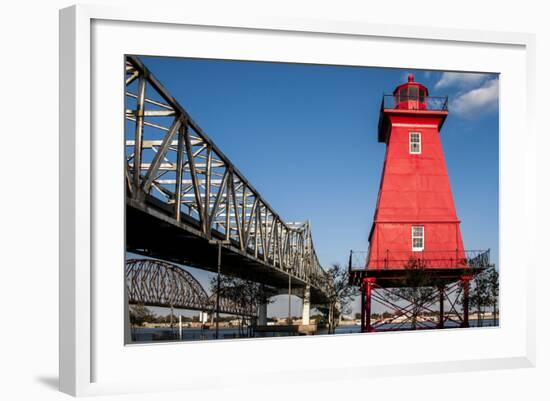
(172, 166)
(151, 282)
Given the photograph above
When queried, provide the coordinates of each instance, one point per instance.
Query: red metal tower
(415, 219)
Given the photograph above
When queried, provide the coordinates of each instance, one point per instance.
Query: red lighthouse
(415, 212)
(415, 223)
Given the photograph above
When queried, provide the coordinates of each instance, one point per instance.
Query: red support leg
(441, 323)
(368, 308)
(368, 283)
(466, 306)
(363, 308)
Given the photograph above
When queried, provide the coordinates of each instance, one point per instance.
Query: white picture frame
(91, 362)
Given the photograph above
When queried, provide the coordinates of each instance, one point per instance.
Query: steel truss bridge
(152, 282)
(185, 198)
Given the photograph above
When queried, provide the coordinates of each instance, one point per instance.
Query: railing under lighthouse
(391, 260)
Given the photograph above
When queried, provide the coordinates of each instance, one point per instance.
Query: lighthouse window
(415, 143)
(417, 238)
(403, 95)
(413, 93)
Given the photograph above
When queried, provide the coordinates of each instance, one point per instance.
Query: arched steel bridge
(153, 282)
(184, 198)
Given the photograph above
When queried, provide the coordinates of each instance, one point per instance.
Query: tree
(246, 295)
(139, 314)
(493, 284)
(319, 318)
(479, 296)
(485, 294)
(340, 295)
(417, 287)
(171, 319)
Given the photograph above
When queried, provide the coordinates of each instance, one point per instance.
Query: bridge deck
(152, 232)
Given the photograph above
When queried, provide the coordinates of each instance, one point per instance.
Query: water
(398, 326)
(146, 335)
(188, 334)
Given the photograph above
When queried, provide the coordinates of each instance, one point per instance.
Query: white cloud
(476, 101)
(460, 79)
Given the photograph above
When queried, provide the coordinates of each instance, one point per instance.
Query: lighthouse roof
(411, 84)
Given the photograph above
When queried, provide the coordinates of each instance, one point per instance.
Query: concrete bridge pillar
(203, 317)
(262, 314)
(306, 305)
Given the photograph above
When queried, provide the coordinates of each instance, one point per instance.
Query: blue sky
(306, 137)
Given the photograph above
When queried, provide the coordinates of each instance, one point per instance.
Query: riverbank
(151, 334)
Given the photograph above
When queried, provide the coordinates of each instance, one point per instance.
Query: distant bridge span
(185, 198)
(153, 282)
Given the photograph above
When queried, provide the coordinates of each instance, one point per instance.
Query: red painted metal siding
(415, 191)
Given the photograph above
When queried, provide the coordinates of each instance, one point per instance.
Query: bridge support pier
(306, 305)
(262, 314)
(203, 317)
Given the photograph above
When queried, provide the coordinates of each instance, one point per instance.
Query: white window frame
(418, 249)
(419, 142)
